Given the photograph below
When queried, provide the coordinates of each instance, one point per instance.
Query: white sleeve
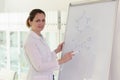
(36, 60)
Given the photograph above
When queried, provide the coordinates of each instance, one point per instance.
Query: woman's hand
(59, 48)
(68, 56)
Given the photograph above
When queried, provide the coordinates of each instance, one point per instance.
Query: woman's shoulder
(29, 40)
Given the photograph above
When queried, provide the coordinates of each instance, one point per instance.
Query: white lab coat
(42, 61)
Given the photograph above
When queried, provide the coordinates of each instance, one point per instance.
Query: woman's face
(38, 22)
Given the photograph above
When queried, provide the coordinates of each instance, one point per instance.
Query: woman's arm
(35, 59)
(67, 57)
(59, 48)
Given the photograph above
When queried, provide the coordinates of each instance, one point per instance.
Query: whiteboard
(90, 30)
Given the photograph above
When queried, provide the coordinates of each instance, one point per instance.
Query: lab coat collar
(34, 35)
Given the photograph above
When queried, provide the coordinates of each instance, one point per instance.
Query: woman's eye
(43, 20)
(40, 20)
(37, 20)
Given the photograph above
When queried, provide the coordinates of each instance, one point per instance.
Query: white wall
(27, 5)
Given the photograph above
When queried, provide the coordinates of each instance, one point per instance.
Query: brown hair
(32, 15)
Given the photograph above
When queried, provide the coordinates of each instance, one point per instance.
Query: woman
(42, 61)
